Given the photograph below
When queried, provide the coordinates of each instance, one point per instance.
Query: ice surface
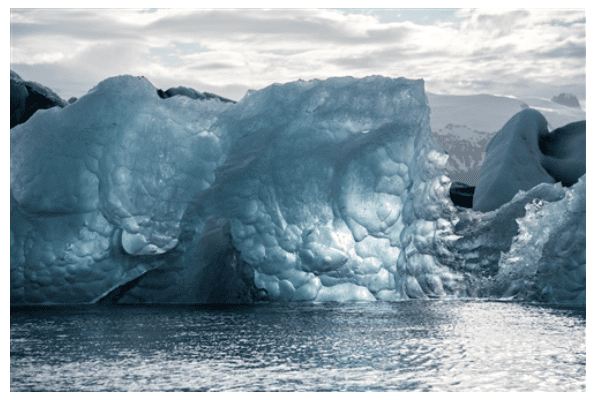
(324, 180)
(122, 150)
(307, 191)
(549, 255)
(119, 165)
(532, 248)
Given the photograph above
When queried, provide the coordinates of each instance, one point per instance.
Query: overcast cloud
(534, 52)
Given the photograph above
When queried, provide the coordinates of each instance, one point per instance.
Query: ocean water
(407, 346)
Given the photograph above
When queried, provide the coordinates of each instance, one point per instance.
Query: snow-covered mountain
(463, 126)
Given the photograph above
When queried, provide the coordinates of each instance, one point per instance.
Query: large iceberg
(327, 190)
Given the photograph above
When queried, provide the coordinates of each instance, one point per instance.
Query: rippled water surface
(416, 345)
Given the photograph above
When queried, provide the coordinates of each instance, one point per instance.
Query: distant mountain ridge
(463, 125)
(466, 148)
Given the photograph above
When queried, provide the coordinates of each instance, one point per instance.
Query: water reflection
(417, 345)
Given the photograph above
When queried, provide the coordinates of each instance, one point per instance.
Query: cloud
(497, 24)
(261, 26)
(227, 50)
(566, 50)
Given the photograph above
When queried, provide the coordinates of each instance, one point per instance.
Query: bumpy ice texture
(323, 190)
(531, 248)
(118, 166)
(334, 190)
(547, 261)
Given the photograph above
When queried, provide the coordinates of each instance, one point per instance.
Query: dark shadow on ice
(461, 194)
(28, 97)
(565, 152)
(191, 93)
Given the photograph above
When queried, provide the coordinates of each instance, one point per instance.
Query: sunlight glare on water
(415, 345)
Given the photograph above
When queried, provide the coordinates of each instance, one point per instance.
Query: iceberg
(325, 190)
(524, 153)
(464, 125)
(513, 161)
(107, 176)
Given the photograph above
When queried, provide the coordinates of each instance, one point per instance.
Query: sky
(510, 52)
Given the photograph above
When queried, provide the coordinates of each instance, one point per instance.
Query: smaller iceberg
(524, 154)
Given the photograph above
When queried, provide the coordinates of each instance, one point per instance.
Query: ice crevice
(325, 190)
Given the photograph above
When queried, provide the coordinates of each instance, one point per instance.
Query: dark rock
(28, 97)
(72, 100)
(567, 99)
(461, 194)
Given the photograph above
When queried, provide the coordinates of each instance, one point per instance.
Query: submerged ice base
(308, 191)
